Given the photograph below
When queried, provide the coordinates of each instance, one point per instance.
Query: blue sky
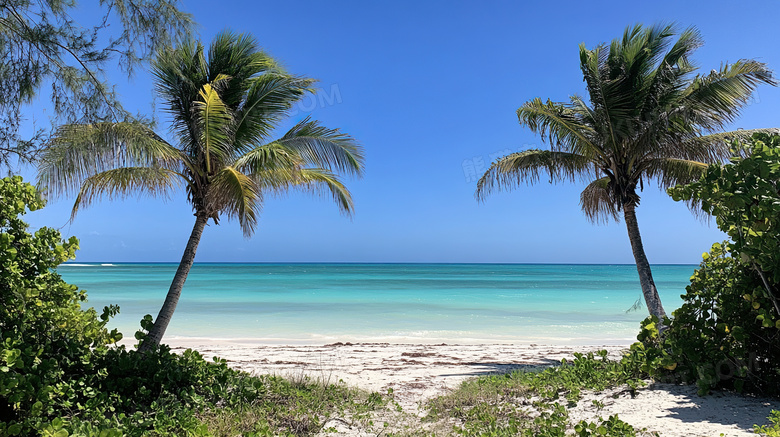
(430, 89)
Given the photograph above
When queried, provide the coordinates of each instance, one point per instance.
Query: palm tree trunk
(652, 300)
(154, 337)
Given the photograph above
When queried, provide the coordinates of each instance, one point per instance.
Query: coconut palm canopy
(649, 117)
(224, 106)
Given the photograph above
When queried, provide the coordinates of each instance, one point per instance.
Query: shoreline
(314, 341)
(414, 373)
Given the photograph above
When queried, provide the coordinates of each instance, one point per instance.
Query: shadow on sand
(493, 368)
(726, 408)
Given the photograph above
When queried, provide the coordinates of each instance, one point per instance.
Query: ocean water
(396, 303)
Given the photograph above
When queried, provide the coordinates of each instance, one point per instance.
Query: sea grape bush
(720, 337)
(46, 340)
(58, 375)
(714, 339)
(744, 198)
(771, 430)
(727, 333)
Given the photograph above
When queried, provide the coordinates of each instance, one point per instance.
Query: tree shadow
(725, 408)
(477, 369)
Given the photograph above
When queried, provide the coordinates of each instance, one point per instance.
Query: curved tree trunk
(652, 300)
(154, 337)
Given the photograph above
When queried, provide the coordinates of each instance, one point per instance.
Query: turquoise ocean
(396, 303)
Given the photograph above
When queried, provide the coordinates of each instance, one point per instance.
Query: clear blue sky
(427, 87)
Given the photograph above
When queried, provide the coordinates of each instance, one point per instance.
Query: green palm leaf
(321, 147)
(717, 98)
(563, 127)
(237, 196)
(268, 157)
(78, 152)
(325, 183)
(239, 57)
(214, 121)
(317, 181)
(671, 171)
(597, 203)
(527, 166)
(124, 182)
(267, 100)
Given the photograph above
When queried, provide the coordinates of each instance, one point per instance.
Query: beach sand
(417, 372)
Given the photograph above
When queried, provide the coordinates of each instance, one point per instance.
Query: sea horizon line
(368, 263)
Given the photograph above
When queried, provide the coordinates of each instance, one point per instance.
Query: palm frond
(267, 100)
(237, 196)
(323, 182)
(321, 147)
(214, 121)
(712, 148)
(79, 151)
(718, 97)
(671, 171)
(616, 81)
(317, 181)
(240, 57)
(125, 182)
(597, 202)
(606, 103)
(179, 74)
(671, 75)
(272, 156)
(526, 167)
(561, 126)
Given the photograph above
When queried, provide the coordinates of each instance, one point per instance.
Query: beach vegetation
(535, 402)
(62, 374)
(649, 117)
(47, 342)
(548, 401)
(772, 429)
(717, 338)
(51, 45)
(224, 104)
(727, 332)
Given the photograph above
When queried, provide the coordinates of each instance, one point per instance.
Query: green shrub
(716, 338)
(46, 340)
(727, 333)
(771, 430)
(612, 427)
(502, 405)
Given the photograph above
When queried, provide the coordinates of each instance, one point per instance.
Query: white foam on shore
(88, 265)
(319, 340)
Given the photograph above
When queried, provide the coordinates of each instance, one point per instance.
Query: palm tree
(649, 118)
(224, 106)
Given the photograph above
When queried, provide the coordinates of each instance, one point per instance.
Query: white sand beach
(417, 372)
